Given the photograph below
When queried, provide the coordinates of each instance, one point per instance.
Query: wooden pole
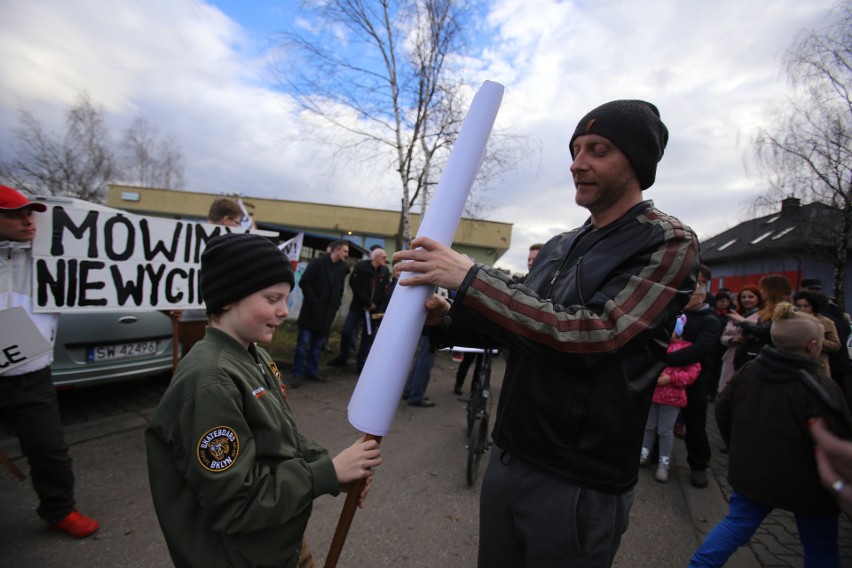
(175, 341)
(12, 467)
(346, 516)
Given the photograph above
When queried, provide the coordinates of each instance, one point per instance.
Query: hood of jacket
(775, 365)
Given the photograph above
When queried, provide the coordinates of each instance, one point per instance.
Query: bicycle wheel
(476, 445)
(474, 406)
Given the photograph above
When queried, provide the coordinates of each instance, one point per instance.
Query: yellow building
(485, 241)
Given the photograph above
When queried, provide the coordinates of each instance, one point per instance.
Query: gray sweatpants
(530, 518)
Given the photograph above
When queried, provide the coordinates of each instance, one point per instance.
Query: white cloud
(713, 69)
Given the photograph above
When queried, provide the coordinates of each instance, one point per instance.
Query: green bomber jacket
(232, 479)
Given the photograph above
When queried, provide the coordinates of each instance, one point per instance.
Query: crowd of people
(747, 351)
(613, 339)
(747, 315)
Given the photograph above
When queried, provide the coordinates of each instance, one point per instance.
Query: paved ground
(420, 514)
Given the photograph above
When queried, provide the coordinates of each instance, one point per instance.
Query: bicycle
(478, 413)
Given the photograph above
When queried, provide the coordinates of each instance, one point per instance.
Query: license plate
(122, 351)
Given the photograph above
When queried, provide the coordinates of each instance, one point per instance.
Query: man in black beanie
(586, 334)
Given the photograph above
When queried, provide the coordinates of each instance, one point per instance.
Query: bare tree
(77, 165)
(149, 159)
(808, 152)
(82, 162)
(380, 72)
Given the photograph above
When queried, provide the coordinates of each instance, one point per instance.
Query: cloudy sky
(197, 70)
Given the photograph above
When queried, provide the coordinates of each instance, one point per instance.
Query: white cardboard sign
(20, 339)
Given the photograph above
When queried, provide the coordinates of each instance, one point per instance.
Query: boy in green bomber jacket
(231, 477)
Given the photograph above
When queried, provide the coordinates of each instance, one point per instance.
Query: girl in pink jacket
(669, 398)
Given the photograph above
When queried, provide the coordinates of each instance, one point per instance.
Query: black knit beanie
(635, 127)
(236, 265)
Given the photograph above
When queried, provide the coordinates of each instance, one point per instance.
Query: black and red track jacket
(587, 333)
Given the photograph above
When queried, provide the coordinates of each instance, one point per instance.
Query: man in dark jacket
(369, 283)
(838, 360)
(586, 334)
(763, 416)
(322, 288)
(703, 329)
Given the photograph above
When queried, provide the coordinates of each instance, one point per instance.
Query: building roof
(795, 227)
(311, 218)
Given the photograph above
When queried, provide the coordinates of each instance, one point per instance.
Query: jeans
(817, 533)
(530, 518)
(421, 371)
(28, 406)
(309, 346)
(355, 320)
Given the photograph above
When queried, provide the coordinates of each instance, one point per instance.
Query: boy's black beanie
(236, 265)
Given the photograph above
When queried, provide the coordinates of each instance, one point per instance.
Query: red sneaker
(76, 525)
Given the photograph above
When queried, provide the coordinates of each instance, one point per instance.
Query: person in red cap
(28, 403)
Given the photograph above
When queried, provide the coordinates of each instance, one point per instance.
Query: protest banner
(293, 249)
(87, 259)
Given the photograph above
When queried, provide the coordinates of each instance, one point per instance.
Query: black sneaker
(698, 478)
(316, 378)
(425, 403)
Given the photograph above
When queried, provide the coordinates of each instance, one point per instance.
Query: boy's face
(256, 317)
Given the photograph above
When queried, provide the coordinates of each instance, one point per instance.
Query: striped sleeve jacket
(587, 333)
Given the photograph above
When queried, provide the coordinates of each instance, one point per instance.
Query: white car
(94, 348)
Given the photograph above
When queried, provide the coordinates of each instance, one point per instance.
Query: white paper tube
(376, 396)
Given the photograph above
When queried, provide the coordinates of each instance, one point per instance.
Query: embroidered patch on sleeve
(218, 449)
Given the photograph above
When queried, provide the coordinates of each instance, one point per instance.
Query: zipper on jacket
(556, 275)
(264, 376)
(580, 236)
(279, 399)
(577, 281)
(541, 266)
